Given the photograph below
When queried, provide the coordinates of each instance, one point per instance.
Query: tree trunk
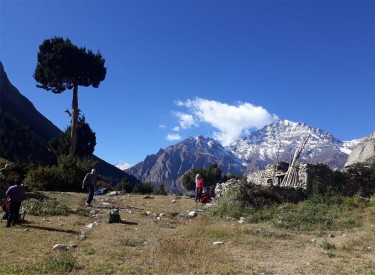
(75, 113)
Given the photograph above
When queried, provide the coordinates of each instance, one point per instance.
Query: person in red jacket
(198, 187)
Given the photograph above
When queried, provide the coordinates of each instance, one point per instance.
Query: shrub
(143, 188)
(67, 175)
(125, 185)
(161, 191)
(45, 207)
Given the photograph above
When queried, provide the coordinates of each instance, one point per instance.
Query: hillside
(157, 236)
(25, 133)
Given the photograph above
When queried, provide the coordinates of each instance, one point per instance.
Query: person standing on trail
(198, 187)
(90, 182)
(14, 196)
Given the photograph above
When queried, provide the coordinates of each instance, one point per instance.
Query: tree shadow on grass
(124, 222)
(28, 225)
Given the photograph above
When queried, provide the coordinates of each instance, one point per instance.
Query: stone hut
(274, 174)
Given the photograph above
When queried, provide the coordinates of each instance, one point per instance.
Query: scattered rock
(173, 201)
(148, 213)
(218, 243)
(58, 246)
(192, 214)
(242, 220)
(91, 225)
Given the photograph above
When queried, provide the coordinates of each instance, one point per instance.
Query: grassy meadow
(157, 236)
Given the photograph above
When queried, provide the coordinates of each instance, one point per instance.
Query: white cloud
(173, 137)
(231, 121)
(185, 120)
(163, 126)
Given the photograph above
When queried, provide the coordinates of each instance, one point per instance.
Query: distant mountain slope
(13, 102)
(280, 139)
(363, 152)
(168, 165)
(22, 122)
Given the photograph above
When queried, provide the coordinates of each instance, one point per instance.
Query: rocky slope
(168, 165)
(364, 152)
(280, 139)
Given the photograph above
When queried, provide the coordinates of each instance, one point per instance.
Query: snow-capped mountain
(280, 139)
(275, 142)
(169, 164)
(123, 165)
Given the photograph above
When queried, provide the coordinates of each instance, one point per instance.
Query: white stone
(192, 214)
(218, 243)
(58, 246)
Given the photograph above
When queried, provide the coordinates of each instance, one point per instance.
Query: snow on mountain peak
(123, 165)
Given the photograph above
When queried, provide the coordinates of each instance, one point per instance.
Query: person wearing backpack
(90, 183)
(199, 182)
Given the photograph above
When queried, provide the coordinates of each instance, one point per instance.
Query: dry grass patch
(157, 236)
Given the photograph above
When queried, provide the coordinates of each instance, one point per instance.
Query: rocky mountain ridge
(274, 142)
(280, 139)
(168, 165)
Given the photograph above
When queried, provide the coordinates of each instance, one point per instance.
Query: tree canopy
(210, 175)
(62, 65)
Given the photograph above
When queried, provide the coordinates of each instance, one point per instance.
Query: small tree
(62, 65)
(211, 176)
(86, 140)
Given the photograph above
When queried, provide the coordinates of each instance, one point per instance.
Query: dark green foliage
(125, 186)
(67, 175)
(86, 140)
(188, 179)
(62, 65)
(357, 178)
(211, 176)
(19, 144)
(143, 188)
(161, 191)
(360, 178)
(257, 197)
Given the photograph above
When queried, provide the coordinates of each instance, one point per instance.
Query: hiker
(90, 182)
(15, 195)
(198, 187)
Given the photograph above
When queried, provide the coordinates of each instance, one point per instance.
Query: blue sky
(177, 69)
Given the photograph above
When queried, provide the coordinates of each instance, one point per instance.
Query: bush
(331, 211)
(161, 191)
(143, 188)
(229, 206)
(45, 207)
(125, 185)
(67, 175)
